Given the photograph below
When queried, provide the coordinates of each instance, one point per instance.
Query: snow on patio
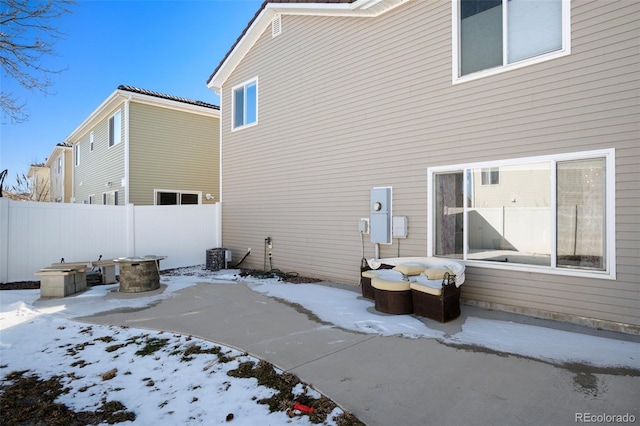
(53, 333)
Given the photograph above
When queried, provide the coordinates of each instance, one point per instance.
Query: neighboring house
(38, 176)
(60, 163)
(513, 151)
(146, 148)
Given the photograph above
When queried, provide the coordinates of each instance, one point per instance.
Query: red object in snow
(303, 408)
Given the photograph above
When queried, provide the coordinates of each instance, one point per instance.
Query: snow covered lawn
(168, 378)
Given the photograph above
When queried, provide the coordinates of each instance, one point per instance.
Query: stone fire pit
(138, 274)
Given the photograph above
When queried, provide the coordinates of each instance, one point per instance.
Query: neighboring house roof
(129, 93)
(163, 96)
(270, 8)
(59, 147)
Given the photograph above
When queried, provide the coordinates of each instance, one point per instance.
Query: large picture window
(552, 212)
(245, 104)
(493, 34)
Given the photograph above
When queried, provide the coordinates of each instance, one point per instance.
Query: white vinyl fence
(34, 235)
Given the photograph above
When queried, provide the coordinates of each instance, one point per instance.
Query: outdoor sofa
(424, 286)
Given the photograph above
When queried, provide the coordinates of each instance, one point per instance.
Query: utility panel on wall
(400, 225)
(381, 215)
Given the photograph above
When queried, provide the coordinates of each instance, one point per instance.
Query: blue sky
(170, 47)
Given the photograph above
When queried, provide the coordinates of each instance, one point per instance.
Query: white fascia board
(171, 104)
(105, 107)
(120, 96)
(357, 9)
(54, 154)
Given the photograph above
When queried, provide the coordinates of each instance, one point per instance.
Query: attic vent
(276, 25)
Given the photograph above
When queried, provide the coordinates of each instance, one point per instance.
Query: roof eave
(119, 96)
(359, 8)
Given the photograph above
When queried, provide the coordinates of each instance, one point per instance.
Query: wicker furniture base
(365, 283)
(393, 302)
(442, 308)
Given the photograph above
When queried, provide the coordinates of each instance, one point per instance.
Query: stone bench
(107, 269)
(61, 280)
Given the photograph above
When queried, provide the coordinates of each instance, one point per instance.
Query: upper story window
(59, 166)
(76, 154)
(492, 36)
(245, 104)
(491, 176)
(91, 141)
(115, 129)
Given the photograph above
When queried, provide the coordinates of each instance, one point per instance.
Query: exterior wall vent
(276, 25)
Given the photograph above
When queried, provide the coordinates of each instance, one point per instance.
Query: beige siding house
(60, 164)
(515, 152)
(147, 148)
(38, 176)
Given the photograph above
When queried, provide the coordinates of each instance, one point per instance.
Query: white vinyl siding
(374, 105)
(104, 164)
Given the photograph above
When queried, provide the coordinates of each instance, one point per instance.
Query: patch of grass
(29, 400)
(113, 348)
(283, 399)
(152, 345)
(195, 349)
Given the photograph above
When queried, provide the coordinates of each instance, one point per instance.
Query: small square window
(490, 176)
(245, 104)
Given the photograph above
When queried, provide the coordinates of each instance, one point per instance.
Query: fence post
(4, 239)
(130, 236)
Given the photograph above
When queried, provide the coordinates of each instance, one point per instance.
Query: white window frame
(91, 138)
(59, 165)
(92, 199)
(233, 104)
(108, 196)
(609, 271)
(76, 154)
(116, 137)
(505, 67)
(178, 193)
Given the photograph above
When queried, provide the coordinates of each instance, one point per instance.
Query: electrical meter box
(380, 227)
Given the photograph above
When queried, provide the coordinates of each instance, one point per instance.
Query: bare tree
(35, 188)
(27, 34)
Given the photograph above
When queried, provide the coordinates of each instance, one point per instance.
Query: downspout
(73, 173)
(219, 224)
(126, 150)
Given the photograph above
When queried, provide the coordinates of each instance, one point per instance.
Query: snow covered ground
(43, 338)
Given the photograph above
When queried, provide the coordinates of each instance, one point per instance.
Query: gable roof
(169, 97)
(270, 8)
(142, 96)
